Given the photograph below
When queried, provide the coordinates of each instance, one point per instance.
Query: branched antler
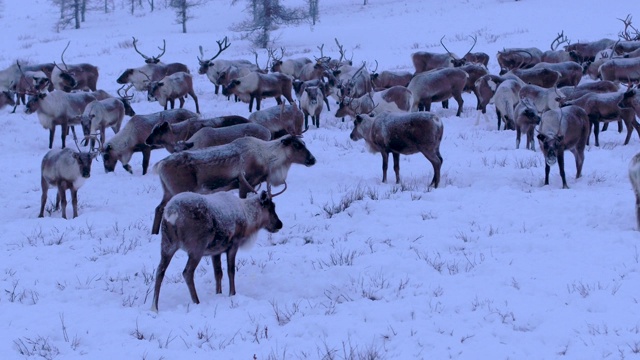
(560, 39)
(222, 46)
(625, 34)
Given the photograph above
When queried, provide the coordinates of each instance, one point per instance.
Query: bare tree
(266, 16)
(183, 11)
(314, 10)
(71, 12)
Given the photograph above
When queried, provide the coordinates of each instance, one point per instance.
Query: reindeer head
(205, 64)
(33, 103)
(550, 146)
(269, 211)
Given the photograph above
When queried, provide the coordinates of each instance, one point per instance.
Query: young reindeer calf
(402, 133)
(209, 225)
(65, 169)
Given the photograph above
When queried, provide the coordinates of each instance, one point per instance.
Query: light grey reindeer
(65, 169)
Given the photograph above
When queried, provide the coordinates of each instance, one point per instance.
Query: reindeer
(241, 164)
(394, 99)
(581, 52)
(631, 99)
(518, 58)
(326, 88)
(478, 58)
(634, 178)
(58, 108)
(78, 76)
(257, 86)
(311, 104)
(6, 98)
(526, 119)
(475, 72)
(563, 129)
(97, 116)
(209, 225)
(402, 133)
(172, 87)
(605, 107)
(542, 99)
(624, 47)
(211, 136)
(64, 169)
(554, 55)
(484, 89)
(506, 99)
(29, 81)
(166, 134)
(352, 81)
(620, 69)
(437, 85)
(570, 72)
(386, 79)
(540, 76)
(132, 139)
(291, 67)
(280, 120)
(213, 69)
(153, 70)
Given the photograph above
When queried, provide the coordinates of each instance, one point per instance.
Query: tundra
(402, 133)
(167, 135)
(211, 136)
(65, 169)
(172, 87)
(437, 85)
(209, 225)
(241, 164)
(563, 129)
(132, 139)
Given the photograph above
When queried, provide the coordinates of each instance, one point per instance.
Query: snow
(490, 265)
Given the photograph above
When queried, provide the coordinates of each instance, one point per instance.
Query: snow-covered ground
(491, 265)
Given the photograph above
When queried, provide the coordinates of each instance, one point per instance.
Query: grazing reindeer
(506, 99)
(241, 164)
(634, 177)
(132, 139)
(526, 120)
(402, 133)
(437, 85)
(563, 129)
(209, 225)
(64, 169)
(97, 116)
(77, 76)
(58, 108)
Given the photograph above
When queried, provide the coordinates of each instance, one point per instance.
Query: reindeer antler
(125, 96)
(441, 43)
(624, 34)
(340, 50)
(62, 55)
(560, 39)
(271, 196)
(153, 59)
(222, 46)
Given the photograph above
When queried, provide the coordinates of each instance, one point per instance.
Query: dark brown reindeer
(209, 225)
(605, 107)
(153, 70)
(76, 76)
(167, 134)
(563, 129)
(132, 139)
(64, 169)
(437, 85)
(402, 133)
(241, 164)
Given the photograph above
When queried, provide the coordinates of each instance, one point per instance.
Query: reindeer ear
(94, 154)
(264, 197)
(540, 137)
(164, 126)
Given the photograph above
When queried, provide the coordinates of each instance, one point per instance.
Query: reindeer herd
(563, 95)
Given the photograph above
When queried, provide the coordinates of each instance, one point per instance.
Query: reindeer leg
(63, 199)
(547, 169)
(52, 133)
(396, 166)
(561, 167)
(166, 254)
(326, 101)
(385, 165)
(43, 198)
(596, 128)
(436, 161)
(217, 270)
(195, 99)
(155, 229)
(445, 104)
(460, 101)
(231, 269)
(146, 156)
(187, 274)
(619, 126)
(74, 202)
(181, 99)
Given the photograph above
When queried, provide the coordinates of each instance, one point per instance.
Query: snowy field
(491, 265)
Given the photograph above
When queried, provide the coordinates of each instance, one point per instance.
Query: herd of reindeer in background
(535, 90)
